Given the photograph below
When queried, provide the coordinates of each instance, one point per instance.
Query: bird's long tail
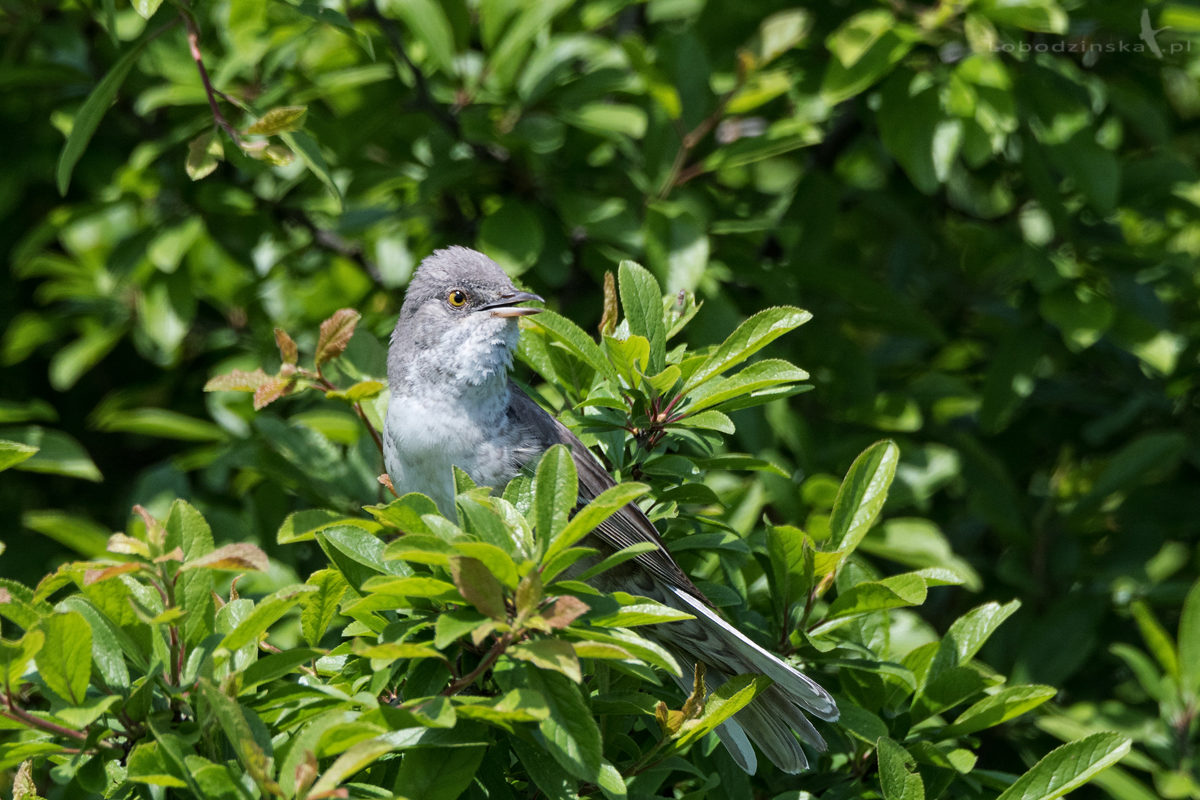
(772, 717)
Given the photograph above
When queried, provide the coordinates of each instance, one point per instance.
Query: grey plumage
(452, 404)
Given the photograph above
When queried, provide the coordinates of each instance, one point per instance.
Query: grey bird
(452, 404)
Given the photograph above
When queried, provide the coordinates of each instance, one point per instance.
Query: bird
(453, 404)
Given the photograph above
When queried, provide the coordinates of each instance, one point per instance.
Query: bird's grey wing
(628, 526)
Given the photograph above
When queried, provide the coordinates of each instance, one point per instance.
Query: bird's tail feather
(772, 717)
(799, 688)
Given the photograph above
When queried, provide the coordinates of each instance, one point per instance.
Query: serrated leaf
(642, 301)
(335, 334)
(554, 654)
(999, 708)
(747, 339)
(12, 453)
(603, 506)
(280, 119)
(1068, 767)
(266, 613)
(898, 775)
(861, 495)
(555, 490)
(64, 661)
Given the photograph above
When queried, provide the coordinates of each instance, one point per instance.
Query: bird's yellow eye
(457, 298)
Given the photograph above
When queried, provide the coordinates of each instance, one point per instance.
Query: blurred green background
(991, 208)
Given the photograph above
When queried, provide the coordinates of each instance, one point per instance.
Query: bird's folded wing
(628, 526)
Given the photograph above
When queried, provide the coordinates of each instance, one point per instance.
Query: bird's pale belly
(422, 446)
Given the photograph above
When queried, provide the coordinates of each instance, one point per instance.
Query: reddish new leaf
(565, 610)
(269, 392)
(478, 586)
(237, 381)
(232, 557)
(287, 346)
(335, 334)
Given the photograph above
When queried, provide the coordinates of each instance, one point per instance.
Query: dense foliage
(989, 208)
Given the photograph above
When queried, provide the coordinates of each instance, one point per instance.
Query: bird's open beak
(505, 305)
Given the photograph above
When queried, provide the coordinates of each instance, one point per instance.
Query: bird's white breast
(429, 434)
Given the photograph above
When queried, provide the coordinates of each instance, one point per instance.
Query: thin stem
(488, 660)
(193, 38)
(677, 175)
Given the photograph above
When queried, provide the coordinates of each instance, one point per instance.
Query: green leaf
(1189, 642)
(862, 493)
(864, 48)
(555, 490)
(512, 236)
(478, 586)
(1068, 767)
(281, 119)
(1041, 16)
(570, 732)
(895, 591)
(968, 634)
(87, 119)
(1158, 641)
(637, 611)
(603, 506)
(57, 453)
(510, 54)
(747, 339)
(554, 654)
(570, 337)
(160, 422)
(265, 614)
(205, 152)
(642, 301)
(65, 660)
(268, 668)
(78, 533)
(321, 606)
(13, 453)
(898, 775)
(429, 25)
(732, 696)
(999, 708)
(439, 774)
(146, 8)
(760, 375)
(310, 153)
(779, 33)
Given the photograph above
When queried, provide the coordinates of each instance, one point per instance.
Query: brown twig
(193, 38)
(488, 660)
(688, 141)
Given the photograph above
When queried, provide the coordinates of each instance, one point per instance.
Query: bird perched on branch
(452, 404)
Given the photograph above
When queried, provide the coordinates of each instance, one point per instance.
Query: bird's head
(458, 320)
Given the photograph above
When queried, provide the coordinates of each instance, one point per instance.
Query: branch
(488, 660)
(193, 37)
